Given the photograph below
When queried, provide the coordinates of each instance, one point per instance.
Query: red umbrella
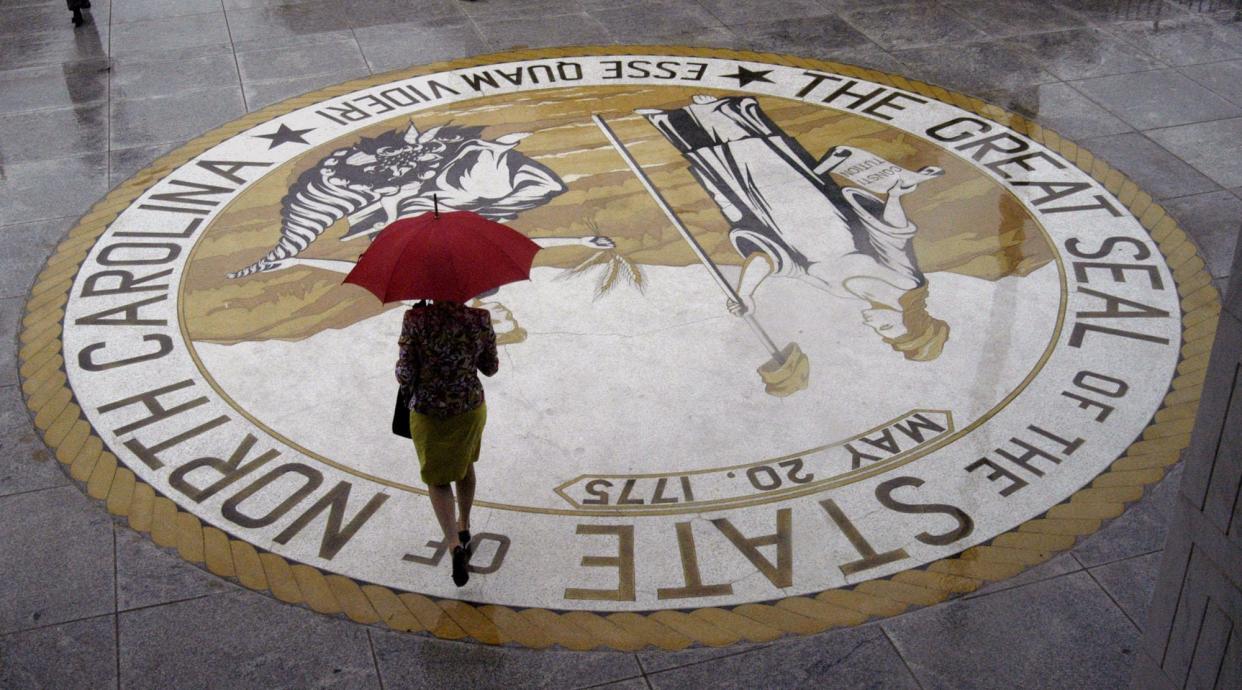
(451, 256)
(447, 256)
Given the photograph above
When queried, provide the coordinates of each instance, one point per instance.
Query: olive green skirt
(447, 446)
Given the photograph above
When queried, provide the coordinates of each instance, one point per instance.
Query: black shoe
(78, 20)
(464, 537)
(461, 563)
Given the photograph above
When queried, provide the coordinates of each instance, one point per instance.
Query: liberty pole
(710, 265)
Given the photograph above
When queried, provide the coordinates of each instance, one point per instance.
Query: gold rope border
(66, 431)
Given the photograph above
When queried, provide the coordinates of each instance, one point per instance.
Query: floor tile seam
(49, 31)
(876, 46)
(1074, 557)
(720, 20)
(4, 226)
(1162, 67)
(169, 96)
(1213, 61)
(1106, 28)
(82, 105)
(639, 663)
(75, 63)
(158, 19)
(358, 45)
(379, 678)
(27, 111)
(352, 40)
(1043, 120)
(1159, 64)
(174, 94)
(1113, 600)
(1000, 590)
(37, 628)
(172, 143)
(1145, 133)
(729, 655)
(474, 26)
(14, 67)
(1163, 199)
(1188, 124)
(1118, 560)
(543, 18)
(1036, 32)
(15, 494)
(228, 29)
(610, 682)
(888, 637)
(639, 660)
(1041, 81)
(1087, 18)
(1073, 82)
(116, 599)
(135, 609)
(966, 20)
(171, 54)
(370, 67)
(1237, 102)
(988, 97)
(869, 43)
(825, 13)
(591, 13)
(23, 295)
(366, 60)
(1120, 36)
(1153, 142)
(845, 17)
(7, 33)
(250, 47)
(345, 75)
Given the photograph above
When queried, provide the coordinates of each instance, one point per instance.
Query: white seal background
(619, 432)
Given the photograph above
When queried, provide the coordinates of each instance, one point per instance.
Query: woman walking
(442, 347)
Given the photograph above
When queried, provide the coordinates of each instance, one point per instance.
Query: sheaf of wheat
(617, 269)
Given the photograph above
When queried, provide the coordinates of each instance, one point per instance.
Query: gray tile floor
(1153, 87)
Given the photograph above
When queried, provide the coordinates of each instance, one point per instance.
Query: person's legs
(465, 499)
(442, 504)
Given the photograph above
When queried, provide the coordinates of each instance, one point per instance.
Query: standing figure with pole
(789, 218)
(788, 371)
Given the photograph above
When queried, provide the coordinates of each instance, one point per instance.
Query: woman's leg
(442, 504)
(465, 499)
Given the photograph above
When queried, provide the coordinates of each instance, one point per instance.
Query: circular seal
(804, 343)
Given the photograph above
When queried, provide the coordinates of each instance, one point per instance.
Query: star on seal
(284, 135)
(745, 76)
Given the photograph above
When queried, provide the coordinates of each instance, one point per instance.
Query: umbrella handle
(435, 201)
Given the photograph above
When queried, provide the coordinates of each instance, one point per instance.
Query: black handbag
(401, 413)
(401, 409)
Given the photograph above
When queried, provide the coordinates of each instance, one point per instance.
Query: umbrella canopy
(453, 256)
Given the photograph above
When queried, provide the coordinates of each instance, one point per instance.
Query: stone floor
(1155, 88)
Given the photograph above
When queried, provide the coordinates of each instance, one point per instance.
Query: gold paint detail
(58, 418)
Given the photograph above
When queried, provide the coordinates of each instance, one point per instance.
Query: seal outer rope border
(66, 431)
